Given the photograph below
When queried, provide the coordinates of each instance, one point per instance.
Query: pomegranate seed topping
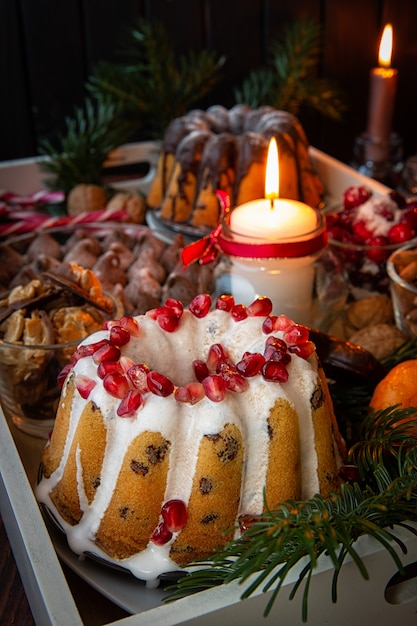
(108, 352)
(233, 379)
(174, 514)
(168, 321)
(84, 385)
(246, 522)
(274, 371)
(216, 354)
(251, 364)
(159, 384)
(239, 312)
(62, 375)
(214, 388)
(88, 349)
(127, 322)
(119, 336)
(138, 376)
(191, 393)
(161, 535)
(116, 384)
(130, 403)
(296, 334)
(262, 306)
(200, 370)
(350, 474)
(126, 363)
(303, 350)
(200, 305)
(225, 303)
(107, 367)
(273, 354)
(275, 323)
(278, 343)
(175, 306)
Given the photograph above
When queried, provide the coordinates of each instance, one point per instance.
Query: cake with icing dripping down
(175, 425)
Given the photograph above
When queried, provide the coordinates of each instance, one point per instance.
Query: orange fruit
(399, 386)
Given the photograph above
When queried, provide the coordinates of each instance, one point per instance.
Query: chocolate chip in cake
(96, 482)
(156, 454)
(317, 399)
(270, 431)
(206, 484)
(209, 518)
(230, 450)
(138, 467)
(123, 512)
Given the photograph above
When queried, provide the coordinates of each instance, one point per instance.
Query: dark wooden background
(49, 48)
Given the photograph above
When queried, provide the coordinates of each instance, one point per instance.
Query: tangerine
(398, 387)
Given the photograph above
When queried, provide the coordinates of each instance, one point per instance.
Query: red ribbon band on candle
(208, 248)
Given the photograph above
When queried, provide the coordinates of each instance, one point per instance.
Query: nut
(379, 339)
(86, 198)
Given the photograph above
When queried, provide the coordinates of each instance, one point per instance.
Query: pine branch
(292, 81)
(321, 527)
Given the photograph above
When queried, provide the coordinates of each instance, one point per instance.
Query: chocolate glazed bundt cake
(175, 425)
(227, 150)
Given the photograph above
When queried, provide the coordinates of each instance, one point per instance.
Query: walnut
(132, 203)
(371, 310)
(379, 339)
(86, 198)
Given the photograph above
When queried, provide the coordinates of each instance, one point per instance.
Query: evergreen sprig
(156, 84)
(292, 80)
(95, 130)
(280, 539)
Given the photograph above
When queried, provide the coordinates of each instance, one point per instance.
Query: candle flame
(385, 47)
(272, 172)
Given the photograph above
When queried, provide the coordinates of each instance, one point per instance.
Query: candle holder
(301, 275)
(381, 160)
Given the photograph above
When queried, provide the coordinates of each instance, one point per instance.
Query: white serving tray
(48, 592)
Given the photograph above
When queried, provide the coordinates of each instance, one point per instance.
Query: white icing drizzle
(184, 425)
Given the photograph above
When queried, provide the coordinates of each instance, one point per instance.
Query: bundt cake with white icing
(223, 149)
(175, 425)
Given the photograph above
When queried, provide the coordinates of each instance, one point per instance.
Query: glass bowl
(402, 272)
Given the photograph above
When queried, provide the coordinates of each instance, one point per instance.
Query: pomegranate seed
(138, 376)
(239, 312)
(251, 364)
(262, 306)
(246, 522)
(119, 336)
(84, 385)
(159, 384)
(272, 354)
(126, 363)
(296, 334)
(127, 322)
(214, 388)
(274, 371)
(225, 303)
(200, 370)
(200, 305)
(350, 473)
(176, 306)
(116, 384)
(278, 343)
(216, 354)
(86, 350)
(107, 367)
(233, 379)
(275, 323)
(107, 352)
(174, 514)
(62, 375)
(161, 535)
(168, 321)
(303, 350)
(190, 393)
(130, 403)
